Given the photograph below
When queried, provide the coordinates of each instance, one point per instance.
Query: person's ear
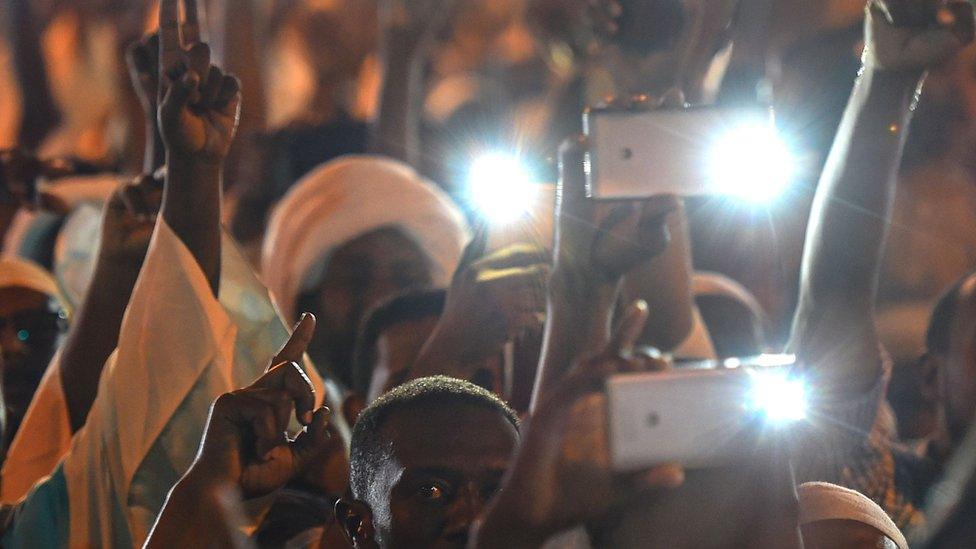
(930, 371)
(352, 406)
(356, 520)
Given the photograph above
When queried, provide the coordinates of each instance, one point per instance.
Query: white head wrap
(349, 197)
(824, 501)
(21, 273)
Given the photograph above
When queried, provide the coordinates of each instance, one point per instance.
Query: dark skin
(597, 243)
(493, 298)
(949, 379)
(360, 275)
(127, 227)
(198, 116)
(844, 534)
(409, 33)
(27, 354)
(445, 463)
(396, 350)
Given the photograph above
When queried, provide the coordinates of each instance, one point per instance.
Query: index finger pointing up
(191, 23)
(169, 34)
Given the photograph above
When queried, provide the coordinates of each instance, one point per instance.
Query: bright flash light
(499, 187)
(751, 162)
(779, 397)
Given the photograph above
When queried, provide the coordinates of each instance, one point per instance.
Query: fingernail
(640, 305)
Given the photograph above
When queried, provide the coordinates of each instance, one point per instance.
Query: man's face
(959, 369)
(30, 330)
(396, 349)
(360, 275)
(445, 463)
(844, 534)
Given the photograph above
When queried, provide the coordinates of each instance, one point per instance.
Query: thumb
(314, 440)
(178, 95)
(629, 330)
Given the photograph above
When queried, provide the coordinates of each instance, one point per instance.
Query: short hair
(368, 449)
(406, 307)
(938, 335)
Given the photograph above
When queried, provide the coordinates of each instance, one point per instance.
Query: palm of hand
(259, 478)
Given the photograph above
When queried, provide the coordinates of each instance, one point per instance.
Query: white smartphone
(698, 418)
(642, 153)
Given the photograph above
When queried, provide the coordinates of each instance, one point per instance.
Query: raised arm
(409, 30)
(40, 111)
(198, 116)
(833, 331)
(492, 299)
(664, 283)
(127, 226)
(596, 244)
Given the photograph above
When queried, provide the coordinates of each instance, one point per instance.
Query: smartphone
(642, 153)
(698, 418)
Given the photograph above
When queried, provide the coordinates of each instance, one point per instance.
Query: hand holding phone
(699, 418)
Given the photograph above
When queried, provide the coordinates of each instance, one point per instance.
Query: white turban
(347, 198)
(16, 272)
(824, 501)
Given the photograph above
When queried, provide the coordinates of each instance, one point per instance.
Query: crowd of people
(275, 317)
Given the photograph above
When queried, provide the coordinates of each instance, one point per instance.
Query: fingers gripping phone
(698, 418)
(642, 153)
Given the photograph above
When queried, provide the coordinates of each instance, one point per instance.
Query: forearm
(94, 336)
(193, 517)
(853, 203)
(579, 313)
(191, 208)
(396, 132)
(848, 225)
(664, 283)
(40, 112)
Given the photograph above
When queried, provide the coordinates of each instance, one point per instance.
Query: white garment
(347, 198)
(179, 348)
(42, 440)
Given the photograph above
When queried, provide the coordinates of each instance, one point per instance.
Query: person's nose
(466, 508)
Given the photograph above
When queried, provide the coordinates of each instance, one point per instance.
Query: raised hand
(128, 221)
(246, 441)
(561, 476)
(905, 35)
(199, 105)
(604, 240)
(492, 299)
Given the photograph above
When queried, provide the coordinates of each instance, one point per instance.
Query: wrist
(903, 84)
(569, 282)
(116, 270)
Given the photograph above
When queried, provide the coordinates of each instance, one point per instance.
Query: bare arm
(198, 118)
(409, 31)
(596, 244)
(40, 114)
(833, 331)
(127, 226)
